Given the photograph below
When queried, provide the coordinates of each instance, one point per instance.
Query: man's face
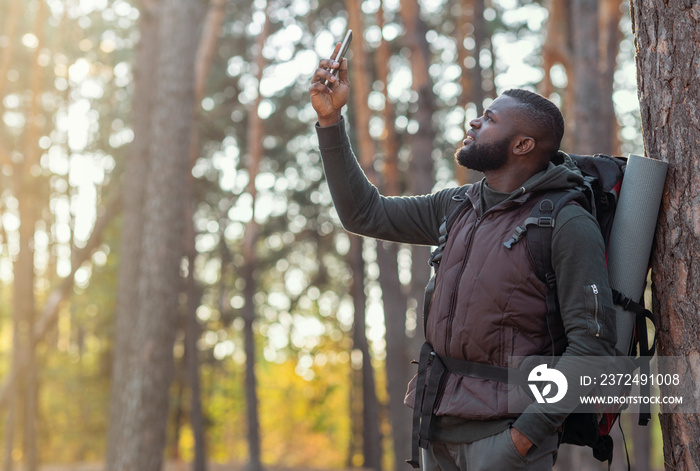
(487, 146)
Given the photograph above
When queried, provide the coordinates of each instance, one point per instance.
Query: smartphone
(341, 53)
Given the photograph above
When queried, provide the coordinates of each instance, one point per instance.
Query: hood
(561, 173)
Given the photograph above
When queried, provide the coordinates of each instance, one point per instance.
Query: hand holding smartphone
(341, 54)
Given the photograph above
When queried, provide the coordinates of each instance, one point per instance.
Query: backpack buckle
(545, 221)
(517, 235)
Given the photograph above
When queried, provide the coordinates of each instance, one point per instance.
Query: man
(488, 304)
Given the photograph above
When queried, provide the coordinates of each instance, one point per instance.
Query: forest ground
(176, 466)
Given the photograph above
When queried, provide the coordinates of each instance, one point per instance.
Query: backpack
(602, 182)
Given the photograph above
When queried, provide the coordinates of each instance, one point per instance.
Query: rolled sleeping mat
(632, 235)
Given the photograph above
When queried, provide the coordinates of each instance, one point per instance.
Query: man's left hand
(521, 442)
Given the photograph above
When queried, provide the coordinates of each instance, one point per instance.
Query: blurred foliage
(304, 309)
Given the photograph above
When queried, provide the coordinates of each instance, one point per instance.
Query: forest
(177, 289)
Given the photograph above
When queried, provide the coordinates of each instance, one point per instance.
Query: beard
(484, 158)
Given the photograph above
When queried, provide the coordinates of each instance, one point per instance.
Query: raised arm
(360, 206)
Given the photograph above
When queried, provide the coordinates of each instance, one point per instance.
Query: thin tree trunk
(24, 276)
(608, 46)
(192, 334)
(390, 140)
(480, 38)
(211, 31)
(250, 261)
(557, 45)
(471, 25)
(398, 371)
(421, 177)
(669, 92)
(362, 85)
(588, 97)
(558, 49)
(10, 32)
(213, 23)
(370, 406)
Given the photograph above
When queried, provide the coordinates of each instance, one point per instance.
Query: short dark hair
(544, 115)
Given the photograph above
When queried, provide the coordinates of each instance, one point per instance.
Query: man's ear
(523, 145)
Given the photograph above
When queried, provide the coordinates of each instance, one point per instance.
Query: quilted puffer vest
(488, 305)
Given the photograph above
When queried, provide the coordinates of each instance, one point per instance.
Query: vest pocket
(594, 311)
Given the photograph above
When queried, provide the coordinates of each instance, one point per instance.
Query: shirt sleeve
(364, 211)
(587, 312)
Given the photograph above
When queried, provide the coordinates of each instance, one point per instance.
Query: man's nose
(475, 123)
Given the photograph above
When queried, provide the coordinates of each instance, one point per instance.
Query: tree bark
(206, 50)
(421, 177)
(370, 406)
(133, 191)
(398, 371)
(608, 46)
(471, 24)
(390, 140)
(585, 68)
(141, 391)
(666, 38)
(26, 187)
(250, 262)
(362, 85)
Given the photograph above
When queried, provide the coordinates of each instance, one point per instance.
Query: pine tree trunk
(133, 191)
(144, 365)
(421, 176)
(471, 25)
(249, 273)
(362, 85)
(398, 371)
(585, 68)
(371, 437)
(205, 53)
(608, 47)
(666, 37)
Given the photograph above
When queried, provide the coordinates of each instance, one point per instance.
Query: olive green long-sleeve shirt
(578, 260)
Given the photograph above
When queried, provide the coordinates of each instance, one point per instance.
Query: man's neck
(510, 178)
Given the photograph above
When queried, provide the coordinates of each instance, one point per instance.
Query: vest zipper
(453, 301)
(595, 312)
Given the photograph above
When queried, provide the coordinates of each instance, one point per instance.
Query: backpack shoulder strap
(539, 227)
(447, 222)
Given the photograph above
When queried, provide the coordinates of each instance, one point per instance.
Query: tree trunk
(471, 24)
(10, 32)
(141, 387)
(362, 85)
(558, 49)
(667, 59)
(192, 333)
(371, 438)
(250, 262)
(608, 46)
(390, 139)
(24, 300)
(133, 191)
(205, 53)
(421, 177)
(585, 68)
(398, 371)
